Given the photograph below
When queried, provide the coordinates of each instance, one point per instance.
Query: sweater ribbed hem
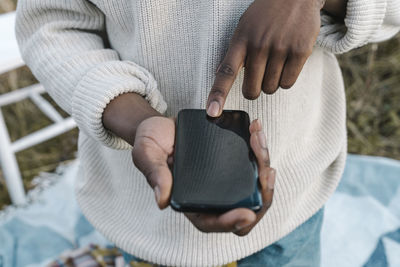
(75, 67)
(104, 83)
(361, 24)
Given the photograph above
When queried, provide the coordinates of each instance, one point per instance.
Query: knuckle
(301, 52)
(259, 47)
(226, 69)
(238, 37)
(279, 48)
(218, 91)
(267, 162)
(265, 40)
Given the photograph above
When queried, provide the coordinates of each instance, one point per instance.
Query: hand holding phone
(215, 169)
(153, 155)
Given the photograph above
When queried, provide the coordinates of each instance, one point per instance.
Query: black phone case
(215, 169)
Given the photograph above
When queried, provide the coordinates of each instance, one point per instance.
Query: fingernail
(271, 179)
(262, 139)
(158, 193)
(213, 109)
(242, 224)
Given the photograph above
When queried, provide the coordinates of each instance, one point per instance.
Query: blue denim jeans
(299, 248)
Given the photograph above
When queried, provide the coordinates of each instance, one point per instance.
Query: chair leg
(9, 166)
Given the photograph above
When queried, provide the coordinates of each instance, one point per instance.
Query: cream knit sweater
(87, 52)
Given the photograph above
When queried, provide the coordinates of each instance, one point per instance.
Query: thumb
(160, 179)
(152, 162)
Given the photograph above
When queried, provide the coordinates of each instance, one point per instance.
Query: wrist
(124, 113)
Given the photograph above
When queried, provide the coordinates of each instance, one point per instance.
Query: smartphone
(215, 169)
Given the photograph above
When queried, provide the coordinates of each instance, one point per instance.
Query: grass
(23, 118)
(372, 79)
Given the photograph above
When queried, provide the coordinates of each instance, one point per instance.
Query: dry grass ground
(372, 78)
(23, 118)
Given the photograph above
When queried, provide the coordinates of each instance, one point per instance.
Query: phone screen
(214, 167)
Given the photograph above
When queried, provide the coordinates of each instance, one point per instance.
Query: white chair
(10, 59)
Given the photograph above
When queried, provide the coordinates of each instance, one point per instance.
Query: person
(123, 69)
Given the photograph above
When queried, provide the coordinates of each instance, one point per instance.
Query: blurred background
(372, 78)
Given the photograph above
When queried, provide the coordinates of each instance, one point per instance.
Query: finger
(151, 160)
(161, 178)
(267, 181)
(255, 126)
(293, 66)
(265, 173)
(273, 73)
(230, 221)
(253, 74)
(225, 77)
(258, 143)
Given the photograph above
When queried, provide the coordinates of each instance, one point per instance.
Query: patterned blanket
(361, 224)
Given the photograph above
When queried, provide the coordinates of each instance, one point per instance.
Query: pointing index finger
(225, 77)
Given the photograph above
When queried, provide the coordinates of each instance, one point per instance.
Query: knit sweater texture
(86, 53)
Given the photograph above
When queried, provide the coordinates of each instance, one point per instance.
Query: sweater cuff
(101, 85)
(362, 23)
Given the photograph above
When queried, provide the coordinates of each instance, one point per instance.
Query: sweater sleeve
(366, 21)
(60, 40)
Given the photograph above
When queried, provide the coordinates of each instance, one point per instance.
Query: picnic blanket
(361, 225)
